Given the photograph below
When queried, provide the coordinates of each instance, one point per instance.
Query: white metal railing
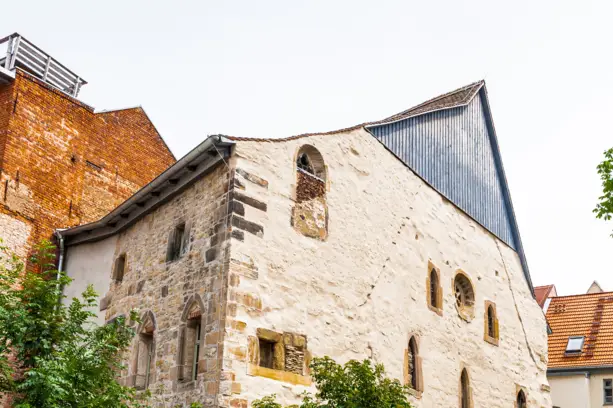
(20, 53)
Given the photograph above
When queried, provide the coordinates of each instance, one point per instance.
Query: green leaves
(63, 359)
(604, 208)
(357, 384)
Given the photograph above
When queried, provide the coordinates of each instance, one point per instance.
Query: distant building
(394, 240)
(61, 162)
(580, 368)
(543, 295)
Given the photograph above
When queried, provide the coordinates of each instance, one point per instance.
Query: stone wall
(164, 290)
(62, 164)
(362, 291)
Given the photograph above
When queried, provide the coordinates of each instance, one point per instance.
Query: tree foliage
(52, 355)
(604, 208)
(356, 384)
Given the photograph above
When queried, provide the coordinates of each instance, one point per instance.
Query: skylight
(575, 344)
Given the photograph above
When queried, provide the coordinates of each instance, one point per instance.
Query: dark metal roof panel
(451, 150)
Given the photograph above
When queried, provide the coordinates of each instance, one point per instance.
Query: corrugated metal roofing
(451, 150)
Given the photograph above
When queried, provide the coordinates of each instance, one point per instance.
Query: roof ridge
(585, 294)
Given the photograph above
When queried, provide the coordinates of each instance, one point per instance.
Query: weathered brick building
(394, 240)
(61, 162)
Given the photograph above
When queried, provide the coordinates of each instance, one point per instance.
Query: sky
(281, 68)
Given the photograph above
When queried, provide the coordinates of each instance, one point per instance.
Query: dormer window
(575, 344)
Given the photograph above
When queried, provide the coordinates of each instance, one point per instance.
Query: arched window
(521, 399)
(190, 339)
(434, 292)
(145, 351)
(413, 371)
(310, 212)
(464, 296)
(491, 334)
(465, 397)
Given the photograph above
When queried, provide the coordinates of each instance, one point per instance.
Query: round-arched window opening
(310, 161)
(521, 399)
(464, 296)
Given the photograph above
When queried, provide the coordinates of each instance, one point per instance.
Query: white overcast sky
(280, 68)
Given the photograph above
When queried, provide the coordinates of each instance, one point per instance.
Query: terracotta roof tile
(589, 315)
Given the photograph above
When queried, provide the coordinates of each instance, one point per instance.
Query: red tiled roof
(588, 315)
(541, 293)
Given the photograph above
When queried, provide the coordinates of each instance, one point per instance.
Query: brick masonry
(62, 164)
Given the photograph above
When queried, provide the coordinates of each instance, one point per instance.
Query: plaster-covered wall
(362, 291)
(15, 234)
(572, 392)
(90, 264)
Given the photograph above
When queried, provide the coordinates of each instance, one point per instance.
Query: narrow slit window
(176, 243)
(521, 399)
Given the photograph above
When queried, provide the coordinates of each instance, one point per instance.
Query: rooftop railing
(20, 53)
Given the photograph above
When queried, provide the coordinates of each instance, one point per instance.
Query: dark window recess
(434, 289)
(607, 387)
(521, 399)
(120, 266)
(177, 243)
(93, 165)
(267, 352)
(491, 331)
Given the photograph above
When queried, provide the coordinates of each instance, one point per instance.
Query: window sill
(185, 385)
(492, 340)
(436, 310)
(413, 392)
(465, 313)
(278, 375)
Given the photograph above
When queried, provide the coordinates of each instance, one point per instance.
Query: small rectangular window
(607, 387)
(176, 243)
(575, 344)
(120, 266)
(267, 352)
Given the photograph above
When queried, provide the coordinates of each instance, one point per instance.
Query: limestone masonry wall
(166, 290)
(62, 165)
(361, 291)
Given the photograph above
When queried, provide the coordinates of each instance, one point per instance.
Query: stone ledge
(278, 375)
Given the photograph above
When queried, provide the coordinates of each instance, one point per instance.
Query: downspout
(60, 263)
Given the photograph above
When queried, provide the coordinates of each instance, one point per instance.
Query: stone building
(393, 240)
(61, 162)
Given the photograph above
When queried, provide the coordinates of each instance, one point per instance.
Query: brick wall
(63, 164)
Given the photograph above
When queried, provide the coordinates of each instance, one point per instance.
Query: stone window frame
(466, 311)
(520, 390)
(176, 248)
(119, 268)
(487, 330)
(469, 392)
(320, 169)
(281, 341)
(188, 323)
(415, 387)
(147, 327)
(438, 308)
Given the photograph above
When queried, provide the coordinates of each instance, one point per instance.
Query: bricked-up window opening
(491, 322)
(607, 387)
(310, 212)
(267, 353)
(177, 244)
(464, 390)
(521, 399)
(434, 289)
(144, 357)
(120, 267)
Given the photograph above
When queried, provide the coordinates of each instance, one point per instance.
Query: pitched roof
(588, 315)
(454, 99)
(541, 293)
